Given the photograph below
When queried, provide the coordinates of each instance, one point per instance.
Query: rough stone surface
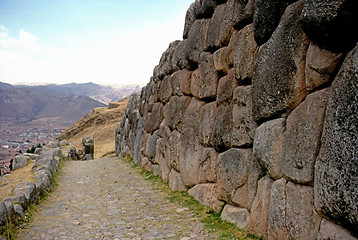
(190, 148)
(208, 159)
(244, 126)
(165, 90)
(207, 123)
(137, 143)
(29, 190)
(222, 128)
(266, 18)
(206, 194)
(19, 161)
(3, 213)
(174, 150)
(152, 120)
(244, 55)
(235, 215)
(175, 181)
(321, 66)
(258, 219)
(185, 81)
(226, 88)
(18, 209)
(268, 146)
(328, 23)
(302, 137)
(151, 150)
(208, 82)
(232, 171)
(329, 230)
(189, 20)
(279, 71)
(336, 169)
(195, 83)
(221, 60)
(174, 111)
(197, 41)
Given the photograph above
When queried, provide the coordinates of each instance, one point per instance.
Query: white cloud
(4, 32)
(26, 42)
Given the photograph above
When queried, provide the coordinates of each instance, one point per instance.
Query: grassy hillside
(101, 123)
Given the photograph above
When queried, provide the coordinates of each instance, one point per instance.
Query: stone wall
(256, 112)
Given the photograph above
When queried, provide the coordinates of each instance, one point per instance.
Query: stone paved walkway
(107, 199)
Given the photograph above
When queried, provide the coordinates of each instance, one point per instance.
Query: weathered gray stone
(156, 170)
(19, 161)
(175, 83)
(204, 8)
(174, 150)
(279, 70)
(175, 181)
(43, 180)
(137, 143)
(222, 129)
(258, 219)
(197, 41)
(302, 138)
(336, 168)
(190, 149)
(277, 211)
(20, 199)
(329, 230)
(18, 209)
(255, 173)
(179, 57)
(166, 64)
(328, 23)
(174, 111)
(151, 150)
(240, 196)
(151, 121)
(3, 214)
(208, 159)
(48, 160)
(266, 18)
(226, 88)
(160, 152)
(243, 124)
(165, 89)
(245, 53)
(225, 18)
(232, 171)
(189, 20)
(146, 164)
(222, 61)
(302, 221)
(268, 146)
(206, 194)
(235, 215)
(29, 190)
(321, 65)
(207, 123)
(209, 79)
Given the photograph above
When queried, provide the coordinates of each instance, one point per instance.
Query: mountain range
(60, 103)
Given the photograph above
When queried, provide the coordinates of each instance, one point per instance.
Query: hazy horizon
(105, 42)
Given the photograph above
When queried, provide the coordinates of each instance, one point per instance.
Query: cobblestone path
(107, 199)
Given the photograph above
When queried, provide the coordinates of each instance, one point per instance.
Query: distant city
(16, 139)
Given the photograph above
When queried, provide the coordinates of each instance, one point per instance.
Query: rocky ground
(107, 199)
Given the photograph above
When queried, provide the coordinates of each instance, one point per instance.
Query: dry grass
(102, 124)
(16, 177)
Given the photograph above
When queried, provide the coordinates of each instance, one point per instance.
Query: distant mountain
(104, 94)
(5, 86)
(23, 104)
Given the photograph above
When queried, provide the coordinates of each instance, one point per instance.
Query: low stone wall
(256, 112)
(25, 194)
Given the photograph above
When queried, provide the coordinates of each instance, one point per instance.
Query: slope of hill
(28, 104)
(101, 123)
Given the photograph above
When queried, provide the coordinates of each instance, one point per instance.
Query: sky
(108, 42)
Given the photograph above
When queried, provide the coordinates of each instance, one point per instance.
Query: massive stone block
(190, 148)
(266, 18)
(208, 160)
(174, 111)
(279, 79)
(151, 121)
(189, 20)
(222, 130)
(184, 77)
(235, 215)
(195, 83)
(232, 171)
(329, 230)
(336, 168)
(179, 57)
(175, 80)
(197, 41)
(225, 17)
(166, 64)
(321, 65)
(258, 219)
(328, 23)
(207, 115)
(302, 138)
(165, 89)
(226, 88)
(243, 124)
(152, 143)
(222, 61)
(268, 146)
(204, 8)
(19, 161)
(208, 83)
(175, 181)
(206, 194)
(245, 53)
(174, 150)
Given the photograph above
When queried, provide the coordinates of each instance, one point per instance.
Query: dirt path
(107, 199)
